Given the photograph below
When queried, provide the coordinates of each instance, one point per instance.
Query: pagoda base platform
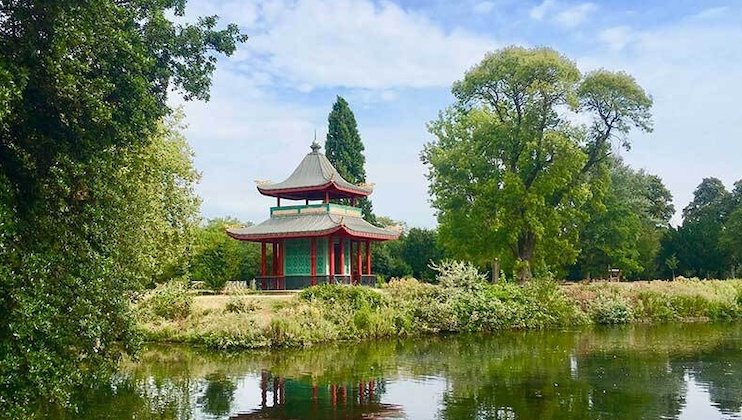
(302, 282)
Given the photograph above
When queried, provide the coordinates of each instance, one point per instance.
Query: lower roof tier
(302, 225)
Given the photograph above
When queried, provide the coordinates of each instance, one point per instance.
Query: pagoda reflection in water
(297, 399)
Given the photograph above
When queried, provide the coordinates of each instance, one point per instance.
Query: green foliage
(239, 304)
(611, 309)
(170, 301)
(702, 244)
(344, 149)
(95, 193)
(388, 259)
(217, 258)
(625, 229)
(458, 274)
(343, 295)
(420, 248)
(509, 175)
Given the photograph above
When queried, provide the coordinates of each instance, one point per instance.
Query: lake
(687, 371)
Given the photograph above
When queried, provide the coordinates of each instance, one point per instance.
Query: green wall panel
(297, 257)
(322, 256)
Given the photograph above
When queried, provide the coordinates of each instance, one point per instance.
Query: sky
(395, 62)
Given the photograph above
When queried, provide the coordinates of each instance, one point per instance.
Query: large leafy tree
(420, 247)
(698, 241)
(217, 258)
(508, 172)
(83, 93)
(624, 231)
(344, 149)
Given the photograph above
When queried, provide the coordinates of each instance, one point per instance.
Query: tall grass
(407, 307)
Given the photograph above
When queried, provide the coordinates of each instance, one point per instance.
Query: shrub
(457, 274)
(238, 304)
(611, 309)
(344, 295)
(170, 300)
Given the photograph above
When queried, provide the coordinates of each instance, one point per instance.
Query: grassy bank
(407, 307)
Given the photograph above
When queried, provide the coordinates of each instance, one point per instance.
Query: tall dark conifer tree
(344, 149)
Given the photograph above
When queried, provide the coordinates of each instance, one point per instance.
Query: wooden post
(278, 201)
(313, 259)
(368, 257)
(331, 253)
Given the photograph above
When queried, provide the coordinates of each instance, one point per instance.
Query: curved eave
(315, 192)
(263, 237)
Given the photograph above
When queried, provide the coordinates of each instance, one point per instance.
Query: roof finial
(315, 146)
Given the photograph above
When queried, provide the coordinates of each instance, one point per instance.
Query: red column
(331, 253)
(368, 257)
(313, 259)
(262, 258)
(360, 262)
(342, 256)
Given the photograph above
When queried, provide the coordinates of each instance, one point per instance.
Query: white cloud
(568, 16)
(484, 7)
(711, 13)
(540, 11)
(574, 16)
(359, 44)
(690, 70)
(617, 37)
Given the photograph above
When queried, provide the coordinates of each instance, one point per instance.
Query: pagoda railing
(303, 281)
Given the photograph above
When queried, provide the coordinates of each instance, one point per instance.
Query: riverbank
(407, 308)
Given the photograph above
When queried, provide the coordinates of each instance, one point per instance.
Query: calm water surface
(638, 372)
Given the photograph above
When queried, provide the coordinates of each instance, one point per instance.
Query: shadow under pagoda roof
(312, 221)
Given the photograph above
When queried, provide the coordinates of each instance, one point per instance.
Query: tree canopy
(94, 190)
(344, 149)
(510, 174)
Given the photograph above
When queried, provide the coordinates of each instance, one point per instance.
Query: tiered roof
(314, 220)
(313, 179)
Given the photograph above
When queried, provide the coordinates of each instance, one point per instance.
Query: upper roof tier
(314, 179)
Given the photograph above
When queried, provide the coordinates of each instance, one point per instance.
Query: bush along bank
(462, 302)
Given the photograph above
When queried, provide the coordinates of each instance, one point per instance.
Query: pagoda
(314, 243)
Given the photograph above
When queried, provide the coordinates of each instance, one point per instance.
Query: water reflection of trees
(630, 373)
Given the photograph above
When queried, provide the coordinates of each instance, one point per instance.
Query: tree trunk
(496, 271)
(526, 248)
